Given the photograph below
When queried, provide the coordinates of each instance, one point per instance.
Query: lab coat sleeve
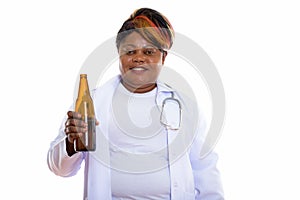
(207, 179)
(58, 160)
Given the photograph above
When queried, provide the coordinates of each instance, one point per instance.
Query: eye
(150, 51)
(130, 52)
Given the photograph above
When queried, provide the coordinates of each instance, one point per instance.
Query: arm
(207, 179)
(60, 161)
(208, 184)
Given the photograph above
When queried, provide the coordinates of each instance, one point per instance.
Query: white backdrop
(254, 45)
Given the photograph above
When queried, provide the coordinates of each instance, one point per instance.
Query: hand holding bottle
(80, 125)
(74, 126)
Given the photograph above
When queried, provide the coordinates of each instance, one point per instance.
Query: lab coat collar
(161, 87)
(163, 90)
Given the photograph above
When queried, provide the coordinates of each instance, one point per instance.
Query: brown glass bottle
(84, 105)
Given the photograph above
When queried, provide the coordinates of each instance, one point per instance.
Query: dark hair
(151, 24)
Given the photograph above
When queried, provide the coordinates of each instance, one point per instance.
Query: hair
(152, 25)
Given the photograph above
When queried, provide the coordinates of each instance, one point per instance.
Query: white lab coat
(191, 177)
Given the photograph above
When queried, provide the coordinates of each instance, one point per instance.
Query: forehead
(134, 39)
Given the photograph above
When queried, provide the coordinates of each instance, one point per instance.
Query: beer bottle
(84, 105)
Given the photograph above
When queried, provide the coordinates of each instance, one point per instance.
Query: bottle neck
(83, 87)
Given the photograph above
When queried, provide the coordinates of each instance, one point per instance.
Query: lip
(138, 68)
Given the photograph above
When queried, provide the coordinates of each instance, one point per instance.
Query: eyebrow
(132, 45)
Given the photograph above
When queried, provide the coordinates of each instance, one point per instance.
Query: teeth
(138, 69)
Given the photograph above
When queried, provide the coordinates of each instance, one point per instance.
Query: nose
(138, 57)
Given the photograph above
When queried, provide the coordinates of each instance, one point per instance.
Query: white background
(254, 45)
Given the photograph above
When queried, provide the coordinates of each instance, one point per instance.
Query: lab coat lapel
(98, 182)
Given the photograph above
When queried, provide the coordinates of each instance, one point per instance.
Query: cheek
(123, 63)
(155, 61)
(121, 66)
(159, 60)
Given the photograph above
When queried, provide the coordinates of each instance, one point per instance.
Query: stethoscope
(165, 119)
(170, 111)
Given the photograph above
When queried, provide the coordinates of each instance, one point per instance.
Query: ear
(165, 53)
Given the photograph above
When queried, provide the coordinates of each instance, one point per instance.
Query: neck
(139, 89)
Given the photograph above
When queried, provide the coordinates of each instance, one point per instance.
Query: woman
(138, 157)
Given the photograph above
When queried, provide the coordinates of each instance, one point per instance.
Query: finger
(97, 122)
(73, 136)
(74, 129)
(76, 122)
(75, 115)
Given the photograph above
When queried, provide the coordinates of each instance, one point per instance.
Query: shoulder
(186, 97)
(107, 87)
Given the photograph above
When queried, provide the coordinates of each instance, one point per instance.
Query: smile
(138, 68)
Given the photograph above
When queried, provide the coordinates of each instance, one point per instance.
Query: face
(140, 63)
